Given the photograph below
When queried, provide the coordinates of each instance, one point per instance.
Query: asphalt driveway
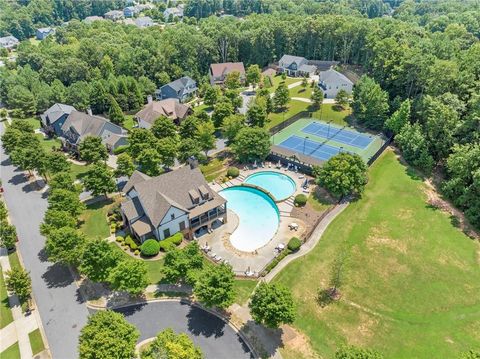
(216, 339)
(59, 304)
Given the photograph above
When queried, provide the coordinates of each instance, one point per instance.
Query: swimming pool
(279, 185)
(258, 217)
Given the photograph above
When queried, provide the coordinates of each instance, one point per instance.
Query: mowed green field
(411, 280)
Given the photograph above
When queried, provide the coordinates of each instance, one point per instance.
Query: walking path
(22, 325)
(310, 244)
(307, 100)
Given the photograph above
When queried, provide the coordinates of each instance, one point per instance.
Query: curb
(193, 304)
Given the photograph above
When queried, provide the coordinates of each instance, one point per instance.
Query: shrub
(150, 247)
(275, 261)
(113, 227)
(120, 149)
(300, 200)
(133, 246)
(166, 245)
(294, 244)
(120, 239)
(176, 239)
(137, 252)
(233, 172)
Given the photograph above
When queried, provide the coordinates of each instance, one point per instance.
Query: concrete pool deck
(242, 262)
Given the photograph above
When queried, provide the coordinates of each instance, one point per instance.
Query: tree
(181, 264)
(399, 118)
(221, 110)
(342, 98)
(214, 287)
(188, 127)
(18, 281)
(92, 149)
(65, 200)
(99, 180)
(281, 97)
(20, 98)
(232, 125)
(187, 148)
(471, 354)
(257, 113)
(140, 139)
(234, 97)
(170, 345)
(206, 136)
(343, 174)
(56, 162)
(107, 335)
(317, 98)
(351, 352)
(125, 165)
(106, 67)
(98, 260)
(272, 305)
(55, 219)
(304, 83)
(62, 180)
(253, 75)
(149, 162)
(211, 95)
(414, 147)
(115, 113)
(129, 276)
(232, 80)
(8, 235)
(65, 245)
(78, 95)
(251, 143)
(370, 103)
(167, 149)
(163, 127)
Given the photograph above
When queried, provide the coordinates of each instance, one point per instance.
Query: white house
(177, 201)
(332, 81)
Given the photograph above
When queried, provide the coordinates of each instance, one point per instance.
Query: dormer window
(194, 196)
(204, 192)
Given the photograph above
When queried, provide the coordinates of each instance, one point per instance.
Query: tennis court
(314, 149)
(315, 141)
(338, 134)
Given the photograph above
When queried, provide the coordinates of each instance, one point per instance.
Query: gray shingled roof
(290, 58)
(171, 189)
(333, 76)
(180, 84)
(55, 112)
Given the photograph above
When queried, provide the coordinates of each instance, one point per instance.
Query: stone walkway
(22, 325)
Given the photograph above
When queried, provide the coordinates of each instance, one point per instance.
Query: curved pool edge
(267, 172)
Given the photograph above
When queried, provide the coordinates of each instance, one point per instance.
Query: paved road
(61, 309)
(216, 338)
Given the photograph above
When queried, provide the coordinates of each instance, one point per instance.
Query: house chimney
(149, 99)
(193, 162)
(89, 111)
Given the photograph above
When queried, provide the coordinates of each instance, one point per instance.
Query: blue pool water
(258, 217)
(279, 185)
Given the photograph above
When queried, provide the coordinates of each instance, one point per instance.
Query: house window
(166, 233)
(172, 216)
(182, 225)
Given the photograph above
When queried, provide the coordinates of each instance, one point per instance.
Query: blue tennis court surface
(310, 148)
(338, 134)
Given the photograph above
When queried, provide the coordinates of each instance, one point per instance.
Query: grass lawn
(48, 144)
(12, 352)
(78, 171)
(213, 169)
(277, 80)
(154, 268)
(94, 219)
(299, 91)
(332, 112)
(5, 311)
(294, 107)
(129, 122)
(317, 202)
(14, 260)
(36, 341)
(243, 289)
(410, 280)
(201, 108)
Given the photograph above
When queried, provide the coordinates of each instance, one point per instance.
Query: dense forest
(425, 55)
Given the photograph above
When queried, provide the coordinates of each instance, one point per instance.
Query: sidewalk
(20, 327)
